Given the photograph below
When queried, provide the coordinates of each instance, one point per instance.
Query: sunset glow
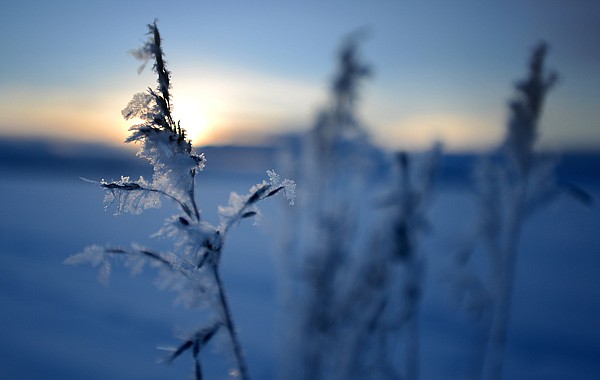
(457, 133)
(61, 115)
(269, 75)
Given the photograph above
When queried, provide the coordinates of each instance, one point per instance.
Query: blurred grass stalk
(512, 183)
(354, 277)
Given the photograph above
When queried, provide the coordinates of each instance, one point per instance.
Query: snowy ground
(57, 322)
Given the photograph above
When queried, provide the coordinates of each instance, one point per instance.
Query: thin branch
(154, 256)
(193, 196)
(229, 325)
(132, 186)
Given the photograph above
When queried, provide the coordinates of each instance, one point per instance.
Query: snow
(59, 323)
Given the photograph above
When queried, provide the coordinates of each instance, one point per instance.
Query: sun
(195, 119)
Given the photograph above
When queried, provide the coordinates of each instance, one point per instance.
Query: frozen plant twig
(526, 110)
(356, 276)
(193, 267)
(511, 184)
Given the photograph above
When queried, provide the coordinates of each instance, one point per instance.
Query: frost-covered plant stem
(192, 195)
(230, 326)
(412, 355)
(409, 220)
(359, 286)
(522, 161)
(193, 267)
(505, 284)
(510, 186)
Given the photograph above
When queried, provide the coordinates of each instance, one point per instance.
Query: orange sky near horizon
(212, 117)
(67, 76)
(226, 113)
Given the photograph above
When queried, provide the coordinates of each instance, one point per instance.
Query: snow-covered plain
(58, 322)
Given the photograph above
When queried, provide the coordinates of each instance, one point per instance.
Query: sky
(241, 70)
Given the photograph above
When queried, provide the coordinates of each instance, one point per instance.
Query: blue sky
(443, 70)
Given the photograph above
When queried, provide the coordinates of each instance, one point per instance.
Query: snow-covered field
(58, 322)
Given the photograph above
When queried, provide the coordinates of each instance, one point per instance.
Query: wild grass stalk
(193, 267)
(520, 162)
(355, 282)
(512, 183)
